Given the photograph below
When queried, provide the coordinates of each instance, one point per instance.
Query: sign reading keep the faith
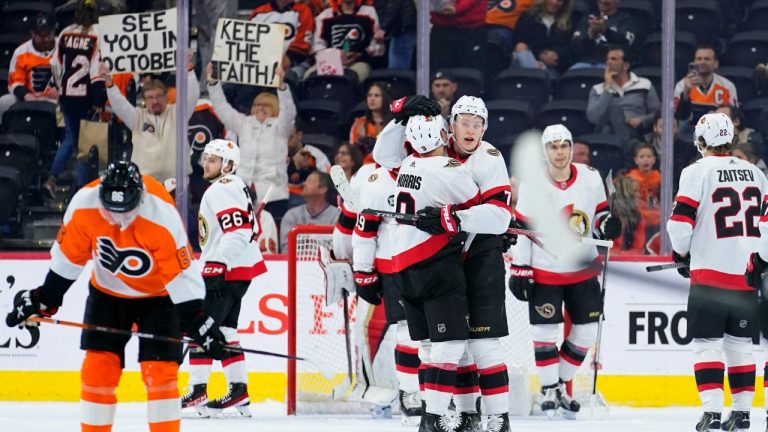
(247, 52)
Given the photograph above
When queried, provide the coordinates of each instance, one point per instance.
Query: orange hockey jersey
(149, 258)
(29, 68)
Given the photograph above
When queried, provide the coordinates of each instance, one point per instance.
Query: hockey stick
(187, 340)
(598, 342)
(339, 178)
(263, 202)
(668, 266)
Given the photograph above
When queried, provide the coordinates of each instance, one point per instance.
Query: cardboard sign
(246, 52)
(140, 42)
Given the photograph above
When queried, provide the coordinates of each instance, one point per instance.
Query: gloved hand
(408, 106)
(684, 271)
(27, 304)
(213, 275)
(755, 268)
(521, 282)
(507, 241)
(438, 220)
(611, 227)
(202, 328)
(368, 286)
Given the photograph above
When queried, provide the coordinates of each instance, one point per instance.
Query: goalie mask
(426, 133)
(226, 150)
(556, 133)
(715, 129)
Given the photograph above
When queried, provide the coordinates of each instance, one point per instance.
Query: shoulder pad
(452, 163)
(493, 151)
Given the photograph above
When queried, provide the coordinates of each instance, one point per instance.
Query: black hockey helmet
(121, 187)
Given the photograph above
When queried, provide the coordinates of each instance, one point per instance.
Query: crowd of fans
(594, 63)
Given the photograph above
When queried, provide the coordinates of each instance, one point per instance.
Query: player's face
(443, 89)
(705, 61)
(373, 99)
(468, 131)
(559, 154)
(644, 159)
(156, 101)
(211, 166)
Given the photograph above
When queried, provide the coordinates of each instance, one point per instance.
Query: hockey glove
(408, 106)
(684, 271)
(611, 227)
(26, 304)
(755, 268)
(368, 286)
(521, 282)
(440, 220)
(507, 241)
(202, 328)
(213, 276)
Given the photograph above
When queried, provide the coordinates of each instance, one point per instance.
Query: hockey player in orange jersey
(143, 273)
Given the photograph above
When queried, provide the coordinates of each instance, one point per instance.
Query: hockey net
(316, 332)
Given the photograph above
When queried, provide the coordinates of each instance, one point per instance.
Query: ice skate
(437, 423)
(236, 397)
(410, 408)
(496, 423)
(470, 422)
(548, 401)
(568, 406)
(736, 421)
(195, 402)
(709, 421)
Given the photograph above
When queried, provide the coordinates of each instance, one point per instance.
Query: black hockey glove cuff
(521, 282)
(408, 106)
(368, 286)
(201, 328)
(755, 268)
(213, 276)
(684, 271)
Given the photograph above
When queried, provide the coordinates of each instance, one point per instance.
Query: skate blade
(231, 412)
(200, 412)
(551, 414)
(410, 421)
(566, 414)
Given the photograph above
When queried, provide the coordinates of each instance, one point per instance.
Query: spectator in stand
(581, 152)
(743, 134)
(301, 27)
(501, 20)
(348, 157)
(263, 140)
(594, 34)
(30, 69)
(315, 6)
(459, 36)
(318, 191)
(208, 14)
(543, 37)
(154, 126)
(648, 186)
(626, 207)
(354, 29)
(75, 67)
(399, 25)
(623, 104)
(303, 160)
(366, 128)
(747, 152)
(444, 87)
(702, 90)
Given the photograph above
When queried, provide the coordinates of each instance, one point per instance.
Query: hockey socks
(467, 389)
(100, 374)
(407, 366)
(439, 386)
(494, 386)
(199, 366)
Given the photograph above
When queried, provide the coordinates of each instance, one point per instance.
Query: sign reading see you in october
(247, 52)
(141, 42)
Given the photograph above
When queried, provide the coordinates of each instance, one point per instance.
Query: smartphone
(693, 68)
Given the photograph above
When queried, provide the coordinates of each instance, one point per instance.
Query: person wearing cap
(444, 87)
(30, 69)
(144, 275)
(545, 282)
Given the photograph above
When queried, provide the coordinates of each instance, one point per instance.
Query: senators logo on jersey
(131, 262)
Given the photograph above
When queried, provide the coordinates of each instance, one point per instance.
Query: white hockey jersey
(228, 230)
(342, 232)
(717, 219)
(486, 166)
(423, 182)
(372, 237)
(582, 204)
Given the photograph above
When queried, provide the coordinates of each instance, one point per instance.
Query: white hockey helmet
(715, 129)
(470, 105)
(556, 133)
(425, 132)
(227, 150)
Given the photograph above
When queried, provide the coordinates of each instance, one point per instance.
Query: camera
(693, 68)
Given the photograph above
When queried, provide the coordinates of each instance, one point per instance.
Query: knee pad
(738, 350)
(100, 369)
(447, 352)
(425, 351)
(230, 334)
(708, 349)
(403, 336)
(583, 335)
(161, 379)
(486, 352)
(545, 332)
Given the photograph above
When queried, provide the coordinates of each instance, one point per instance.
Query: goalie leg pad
(741, 370)
(575, 349)
(709, 370)
(338, 276)
(493, 376)
(546, 353)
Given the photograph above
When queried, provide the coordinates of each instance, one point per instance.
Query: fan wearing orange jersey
(143, 274)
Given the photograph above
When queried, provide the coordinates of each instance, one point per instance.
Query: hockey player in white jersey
(484, 367)
(371, 261)
(718, 208)
(228, 233)
(576, 191)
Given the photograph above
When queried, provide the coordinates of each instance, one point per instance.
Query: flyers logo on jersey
(131, 262)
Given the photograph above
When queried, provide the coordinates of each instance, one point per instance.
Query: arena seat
(506, 118)
(400, 82)
(526, 84)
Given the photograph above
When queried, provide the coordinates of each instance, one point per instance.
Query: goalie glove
(755, 268)
(440, 220)
(521, 282)
(408, 106)
(368, 286)
(337, 275)
(684, 271)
